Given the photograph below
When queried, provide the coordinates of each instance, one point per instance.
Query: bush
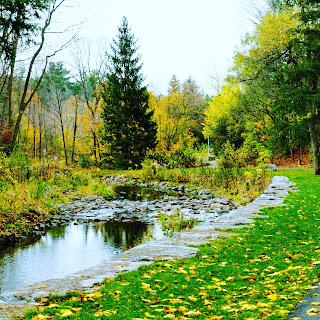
(179, 155)
(86, 161)
(14, 168)
(182, 158)
(38, 192)
(175, 222)
(149, 170)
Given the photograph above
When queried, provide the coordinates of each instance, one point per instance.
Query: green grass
(261, 273)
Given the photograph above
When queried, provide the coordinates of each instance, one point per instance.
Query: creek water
(138, 193)
(67, 249)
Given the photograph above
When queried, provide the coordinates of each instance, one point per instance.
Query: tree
(89, 80)
(296, 73)
(304, 69)
(259, 71)
(18, 24)
(54, 91)
(128, 126)
(220, 122)
(20, 29)
(195, 105)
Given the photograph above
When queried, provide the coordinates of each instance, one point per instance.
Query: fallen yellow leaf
(182, 309)
(263, 305)
(147, 314)
(65, 313)
(107, 313)
(181, 270)
(40, 317)
(207, 302)
(53, 305)
(192, 313)
(192, 298)
(273, 297)
(93, 295)
(313, 312)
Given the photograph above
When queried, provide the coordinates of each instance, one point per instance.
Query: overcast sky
(176, 37)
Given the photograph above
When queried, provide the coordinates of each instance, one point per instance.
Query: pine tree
(129, 129)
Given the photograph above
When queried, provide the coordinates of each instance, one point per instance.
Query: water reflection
(65, 250)
(138, 193)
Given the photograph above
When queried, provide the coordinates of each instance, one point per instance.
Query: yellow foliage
(220, 106)
(173, 121)
(272, 33)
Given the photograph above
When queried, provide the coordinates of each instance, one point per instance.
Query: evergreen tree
(129, 129)
(174, 85)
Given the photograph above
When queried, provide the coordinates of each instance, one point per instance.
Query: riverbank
(260, 273)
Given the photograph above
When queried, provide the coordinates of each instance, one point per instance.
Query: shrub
(86, 161)
(38, 192)
(149, 170)
(175, 222)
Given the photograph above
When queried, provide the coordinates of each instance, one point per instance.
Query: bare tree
(26, 99)
(89, 78)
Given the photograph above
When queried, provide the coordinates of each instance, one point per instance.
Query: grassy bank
(261, 273)
(31, 193)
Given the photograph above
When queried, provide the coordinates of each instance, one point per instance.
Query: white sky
(176, 37)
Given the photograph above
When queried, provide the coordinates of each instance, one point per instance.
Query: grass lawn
(261, 273)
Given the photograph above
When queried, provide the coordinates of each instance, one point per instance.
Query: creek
(64, 250)
(95, 231)
(67, 249)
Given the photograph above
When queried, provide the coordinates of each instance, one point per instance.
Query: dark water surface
(139, 193)
(65, 250)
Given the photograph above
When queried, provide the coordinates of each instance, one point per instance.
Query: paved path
(309, 307)
(15, 303)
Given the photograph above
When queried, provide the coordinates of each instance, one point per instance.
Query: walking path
(16, 302)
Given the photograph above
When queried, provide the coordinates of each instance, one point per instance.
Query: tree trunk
(40, 143)
(34, 144)
(63, 139)
(10, 84)
(314, 140)
(74, 131)
(94, 145)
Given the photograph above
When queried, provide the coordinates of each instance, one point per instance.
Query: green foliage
(175, 222)
(233, 179)
(86, 161)
(180, 155)
(16, 168)
(39, 191)
(182, 158)
(19, 19)
(129, 130)
(152, 171)
(149, 170)
(278, 70)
